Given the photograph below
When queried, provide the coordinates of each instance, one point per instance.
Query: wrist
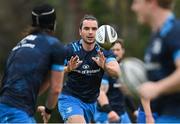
(150, 115)
(68, 69)
(106, 108)
(104, 67)
(47, 110)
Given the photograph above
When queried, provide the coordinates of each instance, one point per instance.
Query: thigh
(76, 119)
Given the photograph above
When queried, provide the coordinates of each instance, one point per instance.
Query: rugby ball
(105, 36)
(133, 74)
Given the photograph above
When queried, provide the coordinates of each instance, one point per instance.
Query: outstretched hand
(44, 115)
(100, 60)
(73, 63)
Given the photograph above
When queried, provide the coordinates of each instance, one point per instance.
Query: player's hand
(73, 63)
(148, 90)
(113, 117)
(44, 115)
(100, 60)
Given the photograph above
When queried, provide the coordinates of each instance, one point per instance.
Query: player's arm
(45, 85)
(55, 80)
(102, 99)
(56, 83)
(147, 110)
(109, 64)
(104, 102)
(55, 86)
(170, 84)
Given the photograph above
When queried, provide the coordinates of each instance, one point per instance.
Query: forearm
(55, 89)
(170, 84)
(52, 99)
(102, 99)
(66, 69)
(146, 106)
(43, 88)
(44, 85)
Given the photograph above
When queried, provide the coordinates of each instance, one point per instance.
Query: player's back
(27, 65)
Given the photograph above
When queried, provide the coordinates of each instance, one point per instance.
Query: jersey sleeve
(109, 56)
(105, 80)
(174, 43)
(58, 55)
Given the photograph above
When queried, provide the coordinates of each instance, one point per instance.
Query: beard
(89, 42)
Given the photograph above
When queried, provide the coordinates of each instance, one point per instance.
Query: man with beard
(86, 63)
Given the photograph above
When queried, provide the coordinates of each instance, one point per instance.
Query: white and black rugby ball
(105, 36)
(133, 74)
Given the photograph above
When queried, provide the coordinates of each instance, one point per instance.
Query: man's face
(88, 31)
(118, 51)
(142, 9)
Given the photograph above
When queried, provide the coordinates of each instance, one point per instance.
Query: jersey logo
(85, 66)
(156, 48)
(23, 43)
(69, 110)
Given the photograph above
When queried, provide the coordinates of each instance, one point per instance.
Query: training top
(84, 82)
(160, 56)
(27, 67)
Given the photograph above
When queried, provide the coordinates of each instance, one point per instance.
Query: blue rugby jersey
(84, 81)
(114, 94)
(26, 68)
(160, 56)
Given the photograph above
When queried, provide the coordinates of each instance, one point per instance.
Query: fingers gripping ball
(105, 36)
(133, 74)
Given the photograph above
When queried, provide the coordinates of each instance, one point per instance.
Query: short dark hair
(166, 4)
(87, 17)
(119, 41)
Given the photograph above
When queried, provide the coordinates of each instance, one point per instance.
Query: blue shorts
(141, 118)
(69, 106)
(102, 117)
(158, 118)
(10, 114)
(168, 119)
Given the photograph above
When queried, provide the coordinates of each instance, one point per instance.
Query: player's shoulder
(74, 45)
(50, 39)
(108, 53)
(176, 27)
(175, 31)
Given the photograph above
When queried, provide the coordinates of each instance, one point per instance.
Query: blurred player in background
(86, 63)
(35, 63)
(111, 101)
(162, 58)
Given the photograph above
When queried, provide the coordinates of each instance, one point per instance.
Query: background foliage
(15, 16)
